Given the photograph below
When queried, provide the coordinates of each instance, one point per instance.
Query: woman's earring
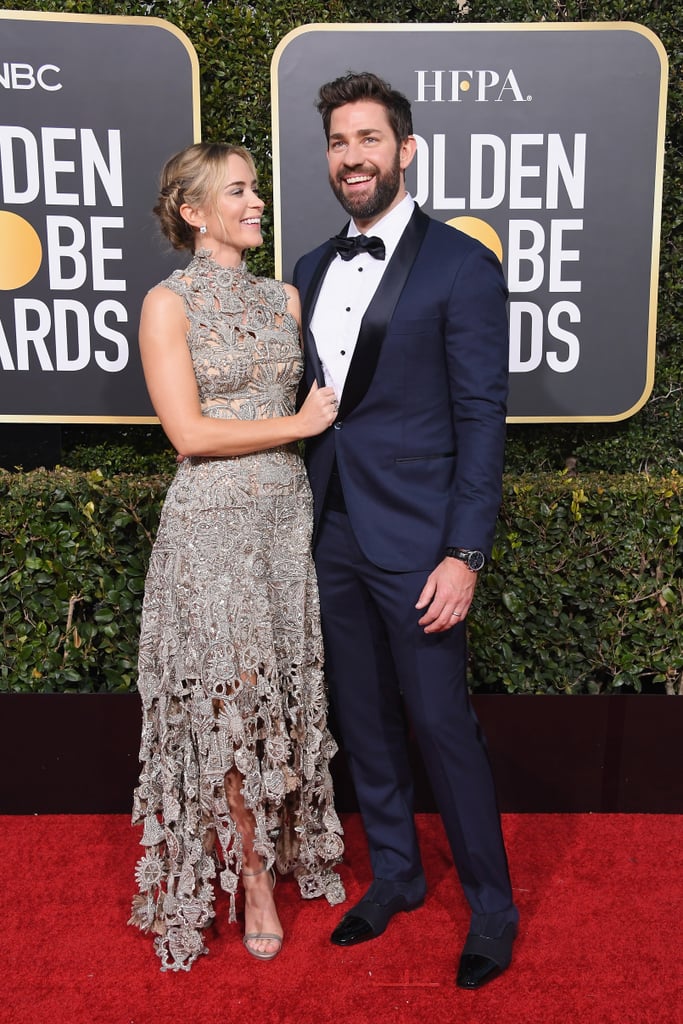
(202, 230)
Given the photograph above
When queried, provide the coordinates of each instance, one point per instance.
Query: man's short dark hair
(352, 87)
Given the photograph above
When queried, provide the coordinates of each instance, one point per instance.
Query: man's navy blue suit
(418, 448)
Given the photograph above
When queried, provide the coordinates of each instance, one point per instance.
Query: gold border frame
(594, 26)
(100, 19)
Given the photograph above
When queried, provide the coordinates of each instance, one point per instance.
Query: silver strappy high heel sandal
(250, 937)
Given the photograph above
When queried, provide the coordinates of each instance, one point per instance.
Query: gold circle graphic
(479, 229)
(20, 251)
(464, 86)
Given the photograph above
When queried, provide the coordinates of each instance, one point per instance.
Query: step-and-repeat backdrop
(90, 109)
(544, 141)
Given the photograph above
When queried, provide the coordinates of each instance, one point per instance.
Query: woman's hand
(318, 412)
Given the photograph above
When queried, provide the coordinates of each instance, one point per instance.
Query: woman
(235, 746)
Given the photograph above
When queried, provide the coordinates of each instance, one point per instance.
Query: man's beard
(367, 207)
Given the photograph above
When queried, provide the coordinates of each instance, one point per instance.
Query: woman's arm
(293, 302)
(172, 387)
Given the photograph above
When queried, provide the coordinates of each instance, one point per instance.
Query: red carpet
(601, 899)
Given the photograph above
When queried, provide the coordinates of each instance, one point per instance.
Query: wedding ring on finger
(457, 614)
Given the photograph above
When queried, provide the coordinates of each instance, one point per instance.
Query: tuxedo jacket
(419, 438)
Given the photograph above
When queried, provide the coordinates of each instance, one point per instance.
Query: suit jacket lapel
(309, 301)
(379, 313)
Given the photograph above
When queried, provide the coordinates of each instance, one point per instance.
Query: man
(410, 329)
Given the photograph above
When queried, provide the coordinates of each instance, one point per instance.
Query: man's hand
(447, 596)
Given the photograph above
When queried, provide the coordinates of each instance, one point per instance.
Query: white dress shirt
(346, 293)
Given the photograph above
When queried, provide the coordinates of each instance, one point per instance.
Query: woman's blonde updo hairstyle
(193, 176)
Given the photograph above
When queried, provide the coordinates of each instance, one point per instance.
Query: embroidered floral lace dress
(230, 664)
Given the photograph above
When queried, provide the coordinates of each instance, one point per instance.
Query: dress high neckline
(205, 259)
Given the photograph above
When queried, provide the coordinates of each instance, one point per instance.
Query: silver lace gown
(230, 664)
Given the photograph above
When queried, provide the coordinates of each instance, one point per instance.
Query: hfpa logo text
(485, 86)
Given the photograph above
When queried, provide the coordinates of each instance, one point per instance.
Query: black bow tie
(350, 247)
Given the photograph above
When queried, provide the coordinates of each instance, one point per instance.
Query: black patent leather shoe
(370, 917)
(351, 930)
(475, 970)
(485, 958)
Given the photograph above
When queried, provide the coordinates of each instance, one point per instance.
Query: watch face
(475, 561)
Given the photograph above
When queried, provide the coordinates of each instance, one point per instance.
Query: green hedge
(584, 594)
(73, 555)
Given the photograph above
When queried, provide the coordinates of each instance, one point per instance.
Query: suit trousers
(379, 660)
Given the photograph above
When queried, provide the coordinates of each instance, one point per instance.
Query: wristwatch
(474, 560)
